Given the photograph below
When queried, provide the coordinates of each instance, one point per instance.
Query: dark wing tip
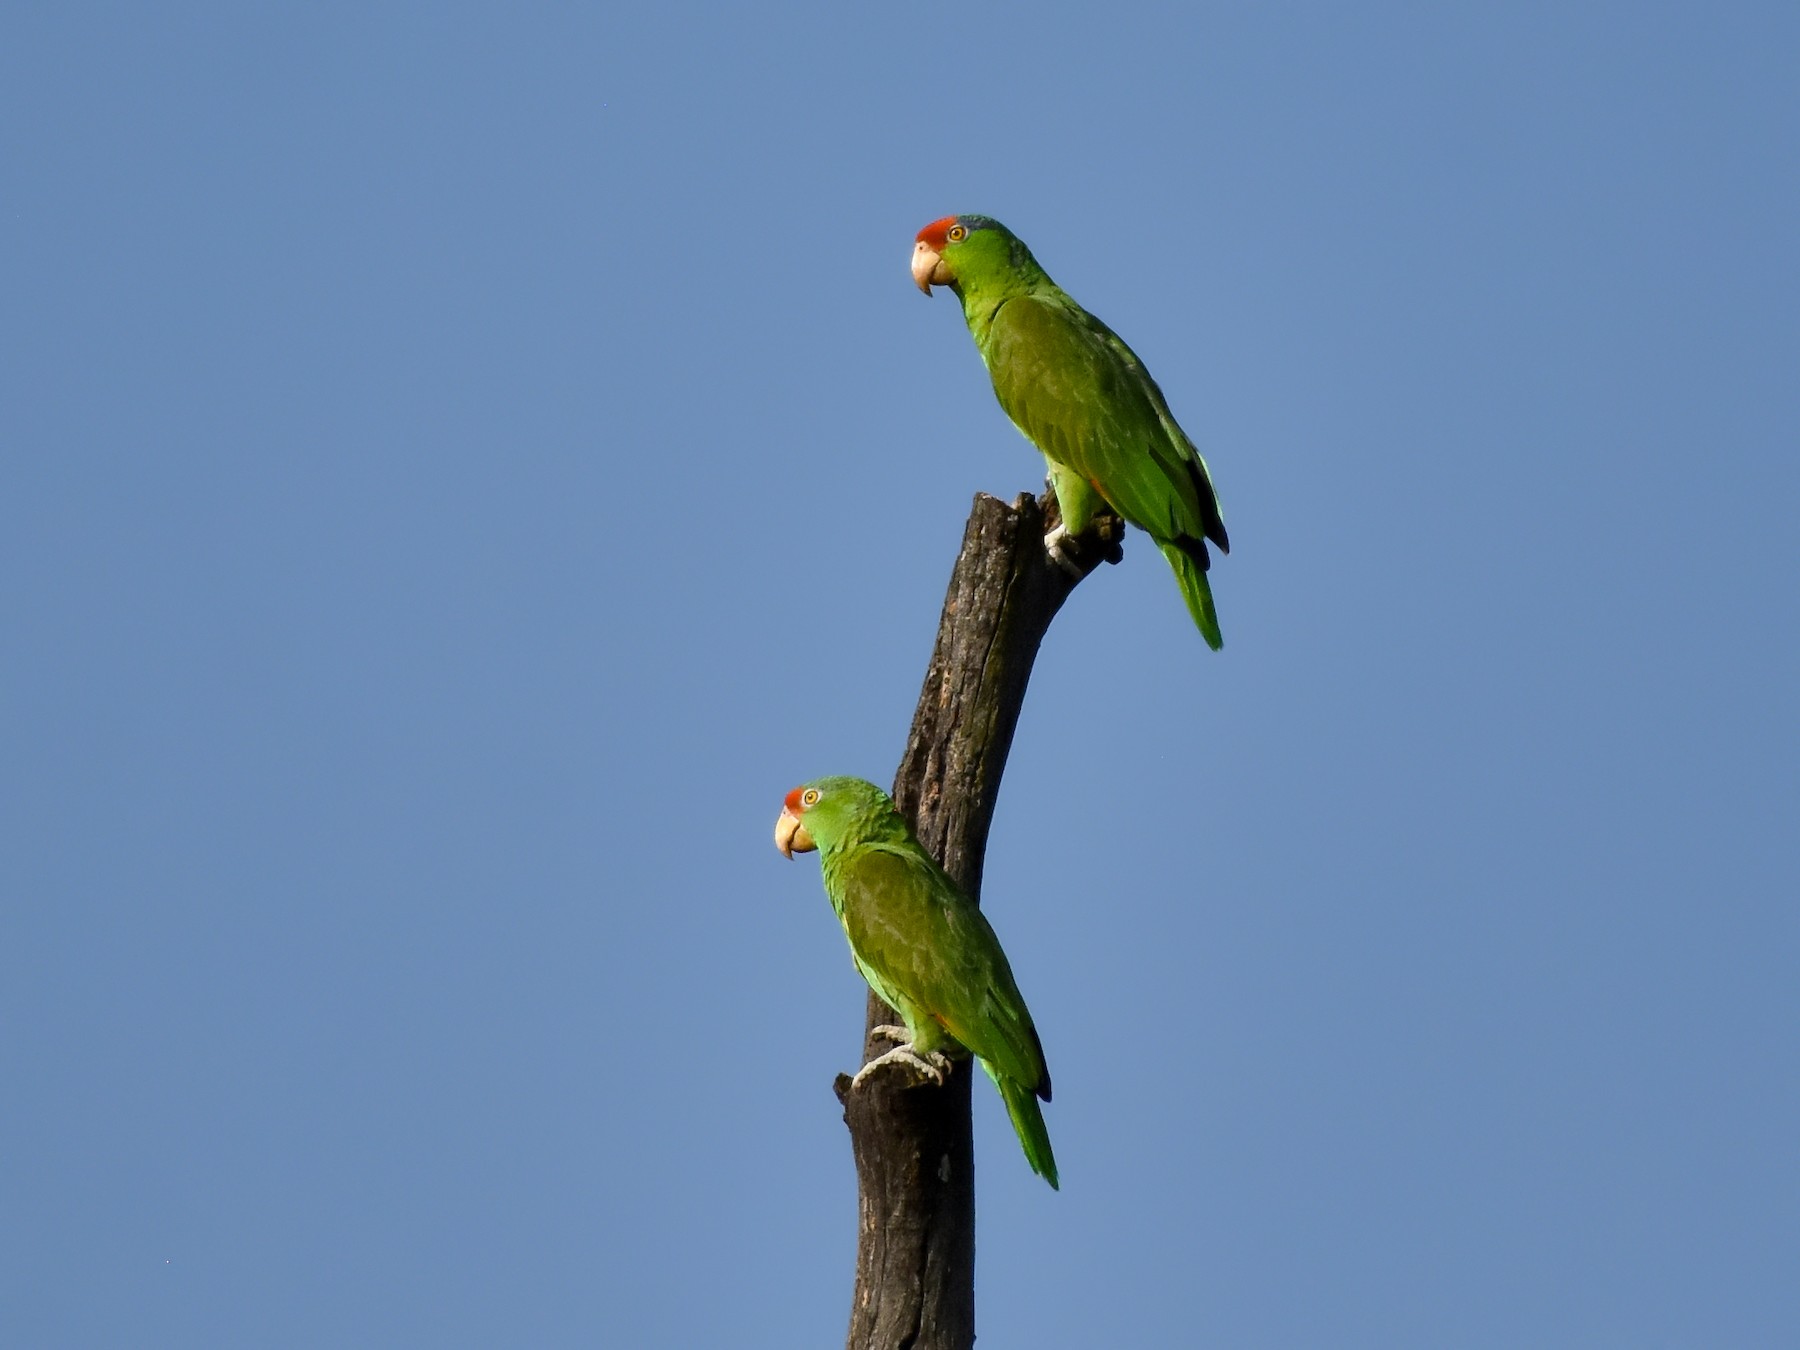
(1196, 549)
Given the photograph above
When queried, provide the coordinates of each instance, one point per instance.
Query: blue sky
(463, 467)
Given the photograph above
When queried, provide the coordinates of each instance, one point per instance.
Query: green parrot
(924, 947)
(1083, 398)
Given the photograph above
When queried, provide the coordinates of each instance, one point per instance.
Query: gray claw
(929, 1065)
(1061, 556)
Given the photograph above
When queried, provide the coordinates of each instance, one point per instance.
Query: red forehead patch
(933, 234)
(792, 800)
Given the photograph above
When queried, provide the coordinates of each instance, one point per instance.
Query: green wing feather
(1085, 400)
(925, 948)
(918, 937)
(1082, 396)
(1028, 1123)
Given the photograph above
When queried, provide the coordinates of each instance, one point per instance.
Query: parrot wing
(913, 931)
(1083, 398)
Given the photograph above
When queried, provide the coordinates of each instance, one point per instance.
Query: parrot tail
(1028, 1124)
(1191, 574)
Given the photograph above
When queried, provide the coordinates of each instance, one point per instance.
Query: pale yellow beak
(791, 836)
(929, 268)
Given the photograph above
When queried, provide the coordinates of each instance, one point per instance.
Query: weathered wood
(915, 1254)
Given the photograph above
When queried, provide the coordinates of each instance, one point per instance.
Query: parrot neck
(982, 297)
(872, 827)
(876, 824)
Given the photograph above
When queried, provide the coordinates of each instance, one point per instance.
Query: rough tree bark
(915, 1251)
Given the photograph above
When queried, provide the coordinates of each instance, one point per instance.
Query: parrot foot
(898, 1035)
(929, 1065)
(1079, 554)
(1056, 544)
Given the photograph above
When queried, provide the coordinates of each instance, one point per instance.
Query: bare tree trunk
(915, 1250)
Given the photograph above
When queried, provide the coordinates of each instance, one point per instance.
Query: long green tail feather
(1197, 592)
(1028, 1124)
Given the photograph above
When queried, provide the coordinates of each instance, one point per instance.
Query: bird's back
(916, 935)
(1081, 395)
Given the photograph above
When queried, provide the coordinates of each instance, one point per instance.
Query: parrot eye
(956, 234)
(810, 797)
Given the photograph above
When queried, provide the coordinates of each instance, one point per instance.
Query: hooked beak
(791, 836)
(929, 268)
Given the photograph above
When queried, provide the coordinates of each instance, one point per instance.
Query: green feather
(1079, 394)
(1197, 591)
(927, 950)
(1028, 1123)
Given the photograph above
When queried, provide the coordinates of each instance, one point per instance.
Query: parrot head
(826, 811)
(791, 834)
(965, 249)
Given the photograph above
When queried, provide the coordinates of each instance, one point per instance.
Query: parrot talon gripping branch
(924, 947)
(1060, 545)
(1082, 397)
(931, 1066)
